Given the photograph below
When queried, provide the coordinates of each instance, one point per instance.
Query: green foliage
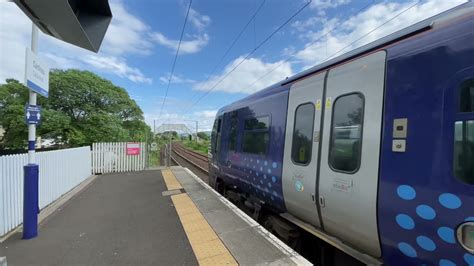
(82, 108)
(201, 147)
(203, 135)
(13, 122)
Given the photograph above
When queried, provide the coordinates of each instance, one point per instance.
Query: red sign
(133, 148)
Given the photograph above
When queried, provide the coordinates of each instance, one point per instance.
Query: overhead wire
(175, 58)
(249, 54)
(349, 45)
(378, 27)
(311, 43)
(252, 18)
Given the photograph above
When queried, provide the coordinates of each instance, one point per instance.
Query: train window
(346, 133)
(467, 96)
(464, 151)
(262, 122)
(233, 131)
(256, 135)
(302, 145)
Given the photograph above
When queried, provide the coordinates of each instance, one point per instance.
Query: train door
(301, 148)
(231, 157)
(348, 180)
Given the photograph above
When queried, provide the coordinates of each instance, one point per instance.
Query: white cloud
(176, 79)
(15, 32)
(117, 66)
(198, 41)
(127, 35)
(206, 113)
(197, 20)
(356, 26)
(246, 74)
(325, 4)
(187, 47)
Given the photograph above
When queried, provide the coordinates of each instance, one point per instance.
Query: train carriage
(373, 151)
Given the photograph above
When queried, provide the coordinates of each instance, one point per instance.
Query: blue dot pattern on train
(447, 234)
(407, 249)
(445, 262)
(469, 259)
(441, 233)
(406, 192)
(262, 177)
(405, 221)
(426, 243)
(425, 212)
(450, 201)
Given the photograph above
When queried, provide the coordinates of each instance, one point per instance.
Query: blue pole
(31, 170)
(30, 201)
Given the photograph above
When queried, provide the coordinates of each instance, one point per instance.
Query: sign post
(86, 28)
(37, 80)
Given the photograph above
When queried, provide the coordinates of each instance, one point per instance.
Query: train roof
(424, 25)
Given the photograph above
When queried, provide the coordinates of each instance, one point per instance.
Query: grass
(154, 158)
(201, 147)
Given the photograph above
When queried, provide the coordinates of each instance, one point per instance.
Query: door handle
(322, 202)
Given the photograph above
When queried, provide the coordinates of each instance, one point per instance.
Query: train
(371, 152)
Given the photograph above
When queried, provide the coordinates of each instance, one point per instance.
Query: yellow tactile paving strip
(170, 180)
(207, 247)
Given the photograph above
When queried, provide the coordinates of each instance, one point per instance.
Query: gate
(108, 157)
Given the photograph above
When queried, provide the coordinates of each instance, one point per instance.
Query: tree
(203, 135)
(82, 108)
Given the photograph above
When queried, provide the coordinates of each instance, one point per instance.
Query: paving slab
(121, 219)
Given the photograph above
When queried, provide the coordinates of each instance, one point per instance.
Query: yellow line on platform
(207, 246)
(170, 180)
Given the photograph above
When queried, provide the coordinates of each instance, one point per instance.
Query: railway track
(197, 162)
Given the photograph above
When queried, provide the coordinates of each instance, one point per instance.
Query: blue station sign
(32, 114)
(37, 74)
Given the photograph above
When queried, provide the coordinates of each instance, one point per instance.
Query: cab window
(464, 135)
(217, 135)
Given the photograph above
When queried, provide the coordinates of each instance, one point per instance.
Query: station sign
(133, 148)
(37, 74)
(32, 114)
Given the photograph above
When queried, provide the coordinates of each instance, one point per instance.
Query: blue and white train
(372, 152)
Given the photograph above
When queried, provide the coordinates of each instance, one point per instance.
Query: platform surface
(121, 219)
(155, 217)
(247, 241)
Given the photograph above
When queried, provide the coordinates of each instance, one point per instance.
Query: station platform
(153, 217)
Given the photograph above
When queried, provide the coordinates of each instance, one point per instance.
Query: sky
(141, 42)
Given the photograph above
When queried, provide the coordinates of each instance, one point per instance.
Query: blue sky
(139, 48)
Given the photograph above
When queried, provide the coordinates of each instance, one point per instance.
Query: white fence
(110, 157)
(59, 172)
